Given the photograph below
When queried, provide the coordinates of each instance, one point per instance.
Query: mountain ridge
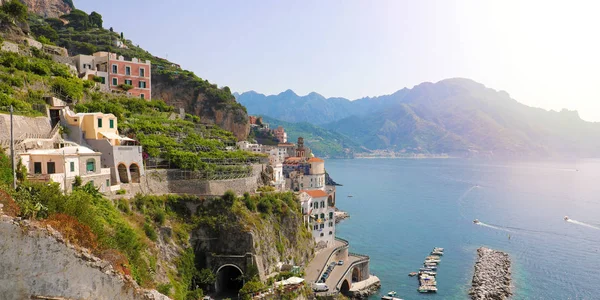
(455, 116)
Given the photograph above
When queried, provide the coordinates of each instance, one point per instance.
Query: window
(322, 204)
(331, 232)
(107, 182)
(322, 226)
(103, 80)
(99, 122)
(142, 84)
(316, 227)
(111, 123)
(127, 70)
(322, 216)
(330, 224)
(316, 216)
(115, 69)
(128, 81)
(90, 165)
(51, 167)
(37, 168)
(142, 72)
(142, 96)
(330, 215)
(72, 164)
(321, 234)
(115, 81)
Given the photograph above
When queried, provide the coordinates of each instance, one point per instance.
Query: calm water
(401, 209)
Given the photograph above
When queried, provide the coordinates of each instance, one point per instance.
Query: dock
(427, 274)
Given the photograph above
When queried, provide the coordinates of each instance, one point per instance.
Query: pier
(491, 279)
(427, 274)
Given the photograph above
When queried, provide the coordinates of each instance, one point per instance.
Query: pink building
(280, 134)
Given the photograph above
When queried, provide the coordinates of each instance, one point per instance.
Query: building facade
(62, 165)
(318, 209)
(115, 73)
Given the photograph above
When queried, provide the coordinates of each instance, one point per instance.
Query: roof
(293, 159)
(315, 159)
(291, 280)
(66, 150)
(112, 135)
(286, 145)
(315, 193)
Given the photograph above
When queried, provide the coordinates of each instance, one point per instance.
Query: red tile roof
(315, 193)
(315, 159)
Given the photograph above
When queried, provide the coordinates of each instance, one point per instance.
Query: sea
(401, 209)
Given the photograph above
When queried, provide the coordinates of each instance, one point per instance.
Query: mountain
(454, 116)
(323, 142)
(47, 8)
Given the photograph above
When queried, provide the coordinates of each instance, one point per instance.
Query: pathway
(312, 271)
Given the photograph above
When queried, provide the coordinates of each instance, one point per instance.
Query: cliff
(47, 8)
(183, 89)
(37, 261)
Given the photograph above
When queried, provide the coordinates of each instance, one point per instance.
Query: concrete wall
(37, 262)
(23, 125)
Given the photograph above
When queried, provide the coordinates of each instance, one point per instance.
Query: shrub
(71, 88)
(44, 40)
(150, 233)
(159, 217)
(164, 288)
(73, 231)
(123, 205)
(125, 87)
(121, 192)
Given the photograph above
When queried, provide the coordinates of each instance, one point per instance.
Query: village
(74, 149)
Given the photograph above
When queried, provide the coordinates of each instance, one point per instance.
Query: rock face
(47, 8)
(36, 261)
(491, 279)
(185, 93)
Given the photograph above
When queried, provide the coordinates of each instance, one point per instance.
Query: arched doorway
(355, 274)
(123, 173)
(229, 281)
(345, 288)
(330, 201)
(134, 170)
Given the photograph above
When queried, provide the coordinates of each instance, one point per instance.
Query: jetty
(427, 274)
(491, 279)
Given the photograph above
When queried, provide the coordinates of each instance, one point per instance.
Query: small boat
(350, 196)
(566, 218)
(411, 274)
(392, 294)
(476, 221)
(438, 249)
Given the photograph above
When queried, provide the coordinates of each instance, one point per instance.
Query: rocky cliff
(36, 261)
(198, 97)
(47, 8)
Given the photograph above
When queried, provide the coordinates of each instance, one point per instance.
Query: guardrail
(362, 260)
(346, 243)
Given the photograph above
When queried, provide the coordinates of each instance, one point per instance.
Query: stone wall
(36, 261)
(162, 181)
(23, 125)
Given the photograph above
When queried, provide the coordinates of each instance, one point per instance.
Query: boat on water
(427, 289)
(411, 274)
(437, 253)
(476, 221)
(566, 218)
(391, 293)
(390, 298)
(438, 249)
(350, 196)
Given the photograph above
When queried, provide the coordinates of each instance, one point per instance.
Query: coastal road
(315, 266)
(339, 271)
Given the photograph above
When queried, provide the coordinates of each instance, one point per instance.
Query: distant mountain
(323, 142)
(312, 108)
(454, 116)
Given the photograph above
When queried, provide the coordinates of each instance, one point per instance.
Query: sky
(543, 53)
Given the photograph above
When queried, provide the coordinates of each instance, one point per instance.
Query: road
(312, 271)
(339, 271)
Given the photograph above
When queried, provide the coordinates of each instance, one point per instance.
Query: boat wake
(492, 226)
(583, 224)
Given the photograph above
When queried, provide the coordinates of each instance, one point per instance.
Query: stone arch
(134, 170)
(123, 174)
(229, 280)
(330, 201)
(355, 274)
(345, 288)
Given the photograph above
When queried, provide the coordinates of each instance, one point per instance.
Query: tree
(6, 174)
(206, 278)
(112, 30)
(96, 19)
(121, 35)
(16, 10)
(78, 19)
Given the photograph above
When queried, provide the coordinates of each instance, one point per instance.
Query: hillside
(454, 116)
(47, 8)
(85, 34)
(323, 142)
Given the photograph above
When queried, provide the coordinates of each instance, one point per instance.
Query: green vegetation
(323, 142)
(172, 142)
(13, 11)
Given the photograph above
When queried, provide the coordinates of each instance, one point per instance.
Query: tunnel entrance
(229, 281)
(345, 288)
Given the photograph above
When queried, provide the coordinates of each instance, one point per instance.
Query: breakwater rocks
(491, 279)
(340, 215)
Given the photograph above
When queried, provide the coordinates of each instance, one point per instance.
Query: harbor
(427, 274)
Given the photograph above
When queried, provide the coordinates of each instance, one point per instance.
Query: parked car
(320, 287)
(341, 262)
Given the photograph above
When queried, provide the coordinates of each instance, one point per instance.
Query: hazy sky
(544, 53)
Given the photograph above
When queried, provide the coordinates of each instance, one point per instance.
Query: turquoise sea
(402, 208)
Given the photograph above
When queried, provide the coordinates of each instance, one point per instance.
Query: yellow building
(96, 126)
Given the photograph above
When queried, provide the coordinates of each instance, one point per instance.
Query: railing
(345, 244)
(350, 266)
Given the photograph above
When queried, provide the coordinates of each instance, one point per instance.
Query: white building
(318, 209)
